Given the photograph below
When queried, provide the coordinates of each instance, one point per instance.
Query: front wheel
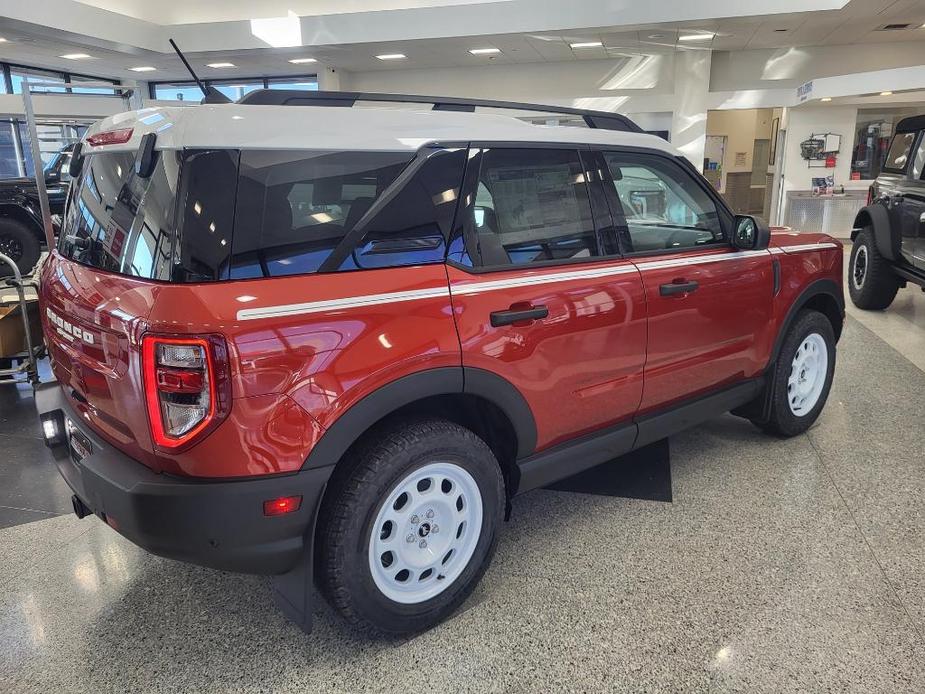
(802, 377)
(407, 533)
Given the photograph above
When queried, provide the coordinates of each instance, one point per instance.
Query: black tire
(871, 281)
(782, 420)
(21, 244)
(357, 493)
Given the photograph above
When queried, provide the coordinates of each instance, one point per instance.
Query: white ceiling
(858, 21)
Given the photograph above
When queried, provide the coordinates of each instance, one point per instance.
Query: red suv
(335, 342)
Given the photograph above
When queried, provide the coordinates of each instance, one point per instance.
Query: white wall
(778, 68)
(805, 121)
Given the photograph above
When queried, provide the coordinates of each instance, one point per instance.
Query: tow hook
(80, 509)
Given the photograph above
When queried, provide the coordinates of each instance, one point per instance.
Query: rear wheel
(19, 243)
(408, 532)
(871, 282)
(802, 377)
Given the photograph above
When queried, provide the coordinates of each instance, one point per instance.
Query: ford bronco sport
(888, 238)
(297, 341)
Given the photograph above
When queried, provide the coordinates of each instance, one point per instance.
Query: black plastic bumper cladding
(215, 524)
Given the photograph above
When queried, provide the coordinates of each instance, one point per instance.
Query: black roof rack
(292, 97)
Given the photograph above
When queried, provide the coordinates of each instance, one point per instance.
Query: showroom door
(541, 296)
(709, 305)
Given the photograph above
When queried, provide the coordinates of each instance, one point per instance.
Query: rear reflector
(110, 137)
(282, 505)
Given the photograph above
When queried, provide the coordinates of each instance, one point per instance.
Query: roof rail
(292, 97)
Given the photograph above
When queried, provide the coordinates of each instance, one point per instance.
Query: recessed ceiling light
(586, 44)
(700, 36)
(886, 93)
(219, 64)
(75, 56)
(302, 61)
(392, 56)
(826, 99)
(143, 68)
(484, 51)
(2, 40)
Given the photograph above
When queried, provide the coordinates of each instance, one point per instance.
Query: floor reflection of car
(21, 232)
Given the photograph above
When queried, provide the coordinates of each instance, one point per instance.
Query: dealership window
(873, 137)
(18, 74)
(232, 88)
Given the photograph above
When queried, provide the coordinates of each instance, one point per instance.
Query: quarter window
(532, 205)
(897, 158)
(663, 206)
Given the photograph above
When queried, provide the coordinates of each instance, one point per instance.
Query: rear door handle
(675, 288)
(513, 315)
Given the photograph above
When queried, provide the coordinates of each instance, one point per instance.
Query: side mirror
(751, 233)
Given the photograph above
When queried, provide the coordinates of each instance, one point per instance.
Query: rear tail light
(186, 387)
(110, 137)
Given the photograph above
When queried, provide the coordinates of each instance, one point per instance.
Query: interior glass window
(663, 206)
(532, 205)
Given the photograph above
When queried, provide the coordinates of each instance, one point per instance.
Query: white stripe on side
(340, 304)
(699, 260)
(808, 247)
(528, 281)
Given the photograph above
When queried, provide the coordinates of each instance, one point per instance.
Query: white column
(329, 79)
(691, 92)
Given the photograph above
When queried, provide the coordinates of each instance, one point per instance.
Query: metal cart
(26, 371)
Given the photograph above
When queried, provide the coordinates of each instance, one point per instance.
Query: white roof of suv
(247, 126)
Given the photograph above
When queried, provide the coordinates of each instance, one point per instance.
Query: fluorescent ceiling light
(586, 44)
(75, 56)
(220, 65)
(392, 56)
(886, 93)
(484, 51)
(700, 36)
(279, 32)
(826, 99)
(302, 61)
(143, 68)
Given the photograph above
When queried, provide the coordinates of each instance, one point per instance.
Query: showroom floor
(779, 566)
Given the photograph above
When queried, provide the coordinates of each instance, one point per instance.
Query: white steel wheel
(807, 374)
(859, 270)
(425, 533)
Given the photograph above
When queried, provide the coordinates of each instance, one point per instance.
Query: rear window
(897, 158)
(120, 222)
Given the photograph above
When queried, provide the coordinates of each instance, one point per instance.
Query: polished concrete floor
(777, 566)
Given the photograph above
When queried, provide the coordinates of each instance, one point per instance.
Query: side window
(918, 164)
(294, 207)
(897, 158)
(532, 205)
(662, 204)
(412, 228)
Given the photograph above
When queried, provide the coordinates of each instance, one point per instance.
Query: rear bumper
(215, 524)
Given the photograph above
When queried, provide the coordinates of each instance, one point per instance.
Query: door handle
(678, 287)
(516, 315)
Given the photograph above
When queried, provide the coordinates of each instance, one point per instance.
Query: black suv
(21, 233)
(889, 234)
